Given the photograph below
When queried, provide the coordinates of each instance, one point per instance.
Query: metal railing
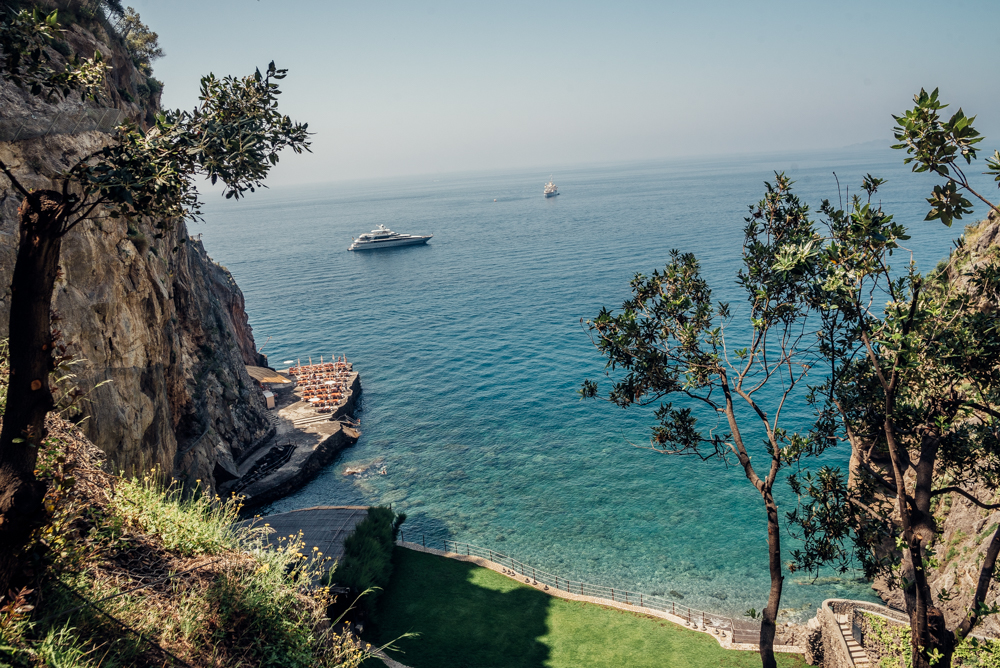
(741, 631)
(73, 121)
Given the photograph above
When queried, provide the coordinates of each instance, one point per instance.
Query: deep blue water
(470, 351)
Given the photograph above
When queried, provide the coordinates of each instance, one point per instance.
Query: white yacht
(550, 189)
(383, 237)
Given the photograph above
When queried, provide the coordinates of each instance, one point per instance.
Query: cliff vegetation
(129, 572)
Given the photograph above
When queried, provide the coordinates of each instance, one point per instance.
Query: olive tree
(733, 378)
(233, 135)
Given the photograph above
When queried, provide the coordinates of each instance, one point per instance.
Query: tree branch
(982, 588)
(959, 490)
(13, 179)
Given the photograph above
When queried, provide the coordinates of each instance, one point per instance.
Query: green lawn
(472, 617)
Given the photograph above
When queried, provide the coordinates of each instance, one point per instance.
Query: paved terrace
(322, 527)
(304, 442)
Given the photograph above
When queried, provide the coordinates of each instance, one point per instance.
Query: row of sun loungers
(322, 385)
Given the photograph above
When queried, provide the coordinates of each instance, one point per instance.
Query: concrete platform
(322, 527)
(304, 442)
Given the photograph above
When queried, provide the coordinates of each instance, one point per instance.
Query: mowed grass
(472, 617)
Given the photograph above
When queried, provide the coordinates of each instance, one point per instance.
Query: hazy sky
(396, 88)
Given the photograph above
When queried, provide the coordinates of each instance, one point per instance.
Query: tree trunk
(929, 632)
(29, 399)
(768, 624)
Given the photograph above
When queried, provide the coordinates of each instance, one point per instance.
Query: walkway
(322, 527)
(858, 655)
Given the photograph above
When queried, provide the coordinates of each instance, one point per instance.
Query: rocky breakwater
(140, 306)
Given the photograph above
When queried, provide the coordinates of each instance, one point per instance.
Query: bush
(187, 524)
(367, 562)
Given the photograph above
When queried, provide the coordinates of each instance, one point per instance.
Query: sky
(393, 88)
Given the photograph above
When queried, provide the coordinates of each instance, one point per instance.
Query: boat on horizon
(550, 189)
(383, 237)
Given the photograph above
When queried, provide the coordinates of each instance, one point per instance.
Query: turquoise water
(470, 351)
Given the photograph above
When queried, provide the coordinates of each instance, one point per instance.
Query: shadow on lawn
(466, 616)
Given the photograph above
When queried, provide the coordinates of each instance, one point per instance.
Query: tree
(670, 342)
(142, 43)
(234, 135)
(913, 387)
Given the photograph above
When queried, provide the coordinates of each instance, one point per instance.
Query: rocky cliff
(154, 316)
(965, 529)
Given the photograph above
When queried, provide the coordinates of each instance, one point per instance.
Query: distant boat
(550, 189)
(383, 237)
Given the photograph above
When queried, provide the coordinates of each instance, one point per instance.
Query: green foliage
(149, 90)
(974, 653)
(188, 524)
(142, 43)
(251, 604)
(25, 38)
(892, 643)
(670, 340)
(367, 562)
(234, 135)
(937, 145)
(988, 531)
(937, 344)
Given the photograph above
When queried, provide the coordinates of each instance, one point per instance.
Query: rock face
(966, 531)
(160, 329)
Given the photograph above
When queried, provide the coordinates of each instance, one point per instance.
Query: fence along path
(731, 633)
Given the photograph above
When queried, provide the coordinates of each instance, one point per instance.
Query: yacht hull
(551, 194)
(391, 243)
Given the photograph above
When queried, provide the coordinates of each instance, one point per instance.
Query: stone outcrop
(813, 643)
(160, 330)
(966, 531)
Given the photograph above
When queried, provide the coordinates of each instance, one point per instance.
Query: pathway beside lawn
(472, 617)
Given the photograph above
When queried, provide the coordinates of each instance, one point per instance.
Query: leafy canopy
(937, 145)
(234, 136)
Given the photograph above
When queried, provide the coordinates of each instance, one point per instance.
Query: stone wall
(835, 652)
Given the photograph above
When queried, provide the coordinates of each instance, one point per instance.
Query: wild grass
(172, 569)
(187, 522)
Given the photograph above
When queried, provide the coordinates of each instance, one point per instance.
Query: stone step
(312, 420)
(857, 652)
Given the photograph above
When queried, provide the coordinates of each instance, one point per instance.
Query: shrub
(367, 562)
(187, 526)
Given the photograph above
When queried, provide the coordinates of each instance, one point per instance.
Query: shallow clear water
(470, 351)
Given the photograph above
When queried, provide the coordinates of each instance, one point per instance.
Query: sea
(471, 350)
